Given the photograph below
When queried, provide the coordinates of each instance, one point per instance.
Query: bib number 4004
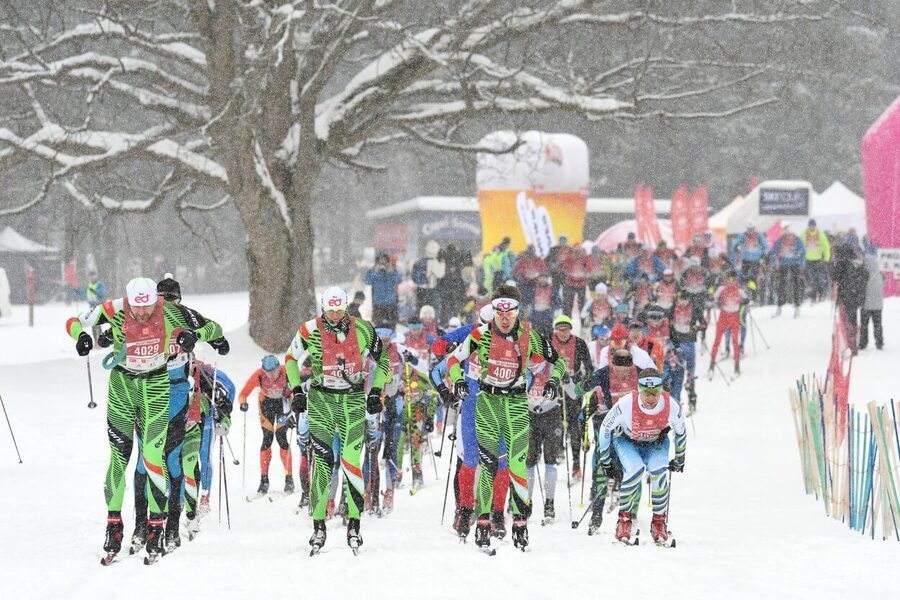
(504, 373)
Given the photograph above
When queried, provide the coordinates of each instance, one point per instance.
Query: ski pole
(244, 457)
(444, 432)
(537, 470)
(452, 437)
(437, 477)
(91, 404)
(225, 478)
(566, 449)
(3, 404)
(221, 470)
(234, 459)
(759, 330)
(576, 524)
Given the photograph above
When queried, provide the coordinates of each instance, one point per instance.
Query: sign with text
(889, 260)
(783, 202)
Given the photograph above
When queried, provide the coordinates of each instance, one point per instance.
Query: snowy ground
(745, 528)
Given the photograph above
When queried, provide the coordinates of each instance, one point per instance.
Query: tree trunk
(282, 284)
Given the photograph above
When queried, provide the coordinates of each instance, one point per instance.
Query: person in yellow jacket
(818, 256)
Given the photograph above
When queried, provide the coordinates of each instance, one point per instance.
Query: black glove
(410, 357)
(677, 464)
(428, 425)
(445, 394)
(373, 402)
(551, 390)
(221, 346)
(105, 339)
(291, 421)
(84, 344)
(187, 339)
(460, 390)
(298, 403)
(612, 470)
(244, 407)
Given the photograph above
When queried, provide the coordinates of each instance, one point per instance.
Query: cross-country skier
(146, 330)
(506, 348)
(638, 426)
(274, 407)
(338, 346)
(730, 297)
(578, 368)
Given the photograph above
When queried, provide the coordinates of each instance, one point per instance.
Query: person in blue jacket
(788, 256)
(751, 247)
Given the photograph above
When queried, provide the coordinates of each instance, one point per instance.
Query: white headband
(504, 304)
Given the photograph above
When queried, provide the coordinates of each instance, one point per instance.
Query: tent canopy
(13, 241)
(618, 234)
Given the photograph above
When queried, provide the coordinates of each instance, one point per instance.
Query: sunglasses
(653, 391)
(650, 382)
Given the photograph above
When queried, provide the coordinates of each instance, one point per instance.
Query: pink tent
(618, 234)
(881, 184)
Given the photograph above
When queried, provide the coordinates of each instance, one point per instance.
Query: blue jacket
(796, 258)
(384, 286)
(632, 271)
(752, 254)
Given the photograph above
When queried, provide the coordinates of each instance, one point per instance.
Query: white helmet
(454, 323)
(427, 312)
(486, 313)
(601, 288)
(141, 291)
(334, 298)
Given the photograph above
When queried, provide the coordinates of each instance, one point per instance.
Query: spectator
(851, 278)
(556, 258)
(874, 302)
(600, 268)
(384, 279)
(353, 308)
(818, 255)
(452, 287)
(427, 273)
(498, 265)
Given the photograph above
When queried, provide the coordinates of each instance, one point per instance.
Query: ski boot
(263, 485)
(192, 526)
(114, 534)
(520, 533)
(549, 511)
(304, 500)
(387, 503)
(737, 369)
(354, 540)
(139, 537)
(658, 530)
(317, 540)
(623, 528)
(288, 484)
(173, 538)
(418, 481)
(462, 522)
(498, 524)
(204, 506)
(483, 534)
(596, 521)
(155, 539)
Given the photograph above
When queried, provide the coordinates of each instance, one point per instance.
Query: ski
(548, 521)
(316, 549)
(256, 497)
(354, 547)
(489, 551)
(669, 543)
(109, 559)
(633, 541)
(151, 558)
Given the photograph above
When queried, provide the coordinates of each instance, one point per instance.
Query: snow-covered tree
(129, 104)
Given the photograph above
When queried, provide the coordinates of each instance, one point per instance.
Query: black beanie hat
(168, 288)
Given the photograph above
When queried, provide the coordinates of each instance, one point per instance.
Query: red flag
(699, 211)
(645, 216)
(681, 219)
(836, 368)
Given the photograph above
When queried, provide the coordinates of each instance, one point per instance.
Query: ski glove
(84, 344)
(410, 357)
(373, 402)
(187, 339)
(551, 390)
(298, 403)
(428, 425)
(460, 390)
(105, 339)
(445, 394)
(244, 407)
(677, 464)
(221, 346)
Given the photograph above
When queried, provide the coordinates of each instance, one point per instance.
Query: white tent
(837, 209)
(13, 241)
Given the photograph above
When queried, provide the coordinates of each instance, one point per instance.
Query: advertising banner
(681, 219)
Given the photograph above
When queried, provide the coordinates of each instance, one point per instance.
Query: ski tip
(574, 524)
